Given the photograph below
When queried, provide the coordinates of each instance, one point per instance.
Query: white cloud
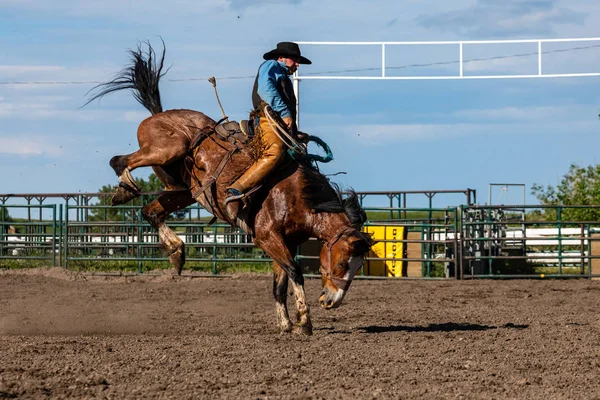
(492, 18)
(52, 80)
(131, 9)
(49, 108)
(530, 114)
(28, 145)
(384, 134)
(377, 134)
(24, 69)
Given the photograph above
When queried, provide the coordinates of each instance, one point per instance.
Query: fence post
(54, 235)
(214, 266)
(457, 251)
(60, 235)
(140, 239)
(582, 251)
(66, 237)
(487, 234)
(461, 244)
(2, 228)
(560, 253)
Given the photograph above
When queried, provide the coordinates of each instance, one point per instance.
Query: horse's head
(340, 258)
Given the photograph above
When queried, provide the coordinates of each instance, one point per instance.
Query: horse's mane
(321, 195)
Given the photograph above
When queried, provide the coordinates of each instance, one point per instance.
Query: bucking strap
(196, 193)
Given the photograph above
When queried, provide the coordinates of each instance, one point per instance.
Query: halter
(340, 283)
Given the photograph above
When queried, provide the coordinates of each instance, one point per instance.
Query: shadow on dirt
(448, 327)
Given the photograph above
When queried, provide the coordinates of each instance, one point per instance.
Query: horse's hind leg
(157, 211)
(148, 155)
(128, 189)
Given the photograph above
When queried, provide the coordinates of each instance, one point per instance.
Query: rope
(315, 157)
(298, 149)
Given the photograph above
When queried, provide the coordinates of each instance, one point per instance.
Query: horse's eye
(342, 267)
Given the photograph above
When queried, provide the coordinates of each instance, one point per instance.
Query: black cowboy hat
(287, 49)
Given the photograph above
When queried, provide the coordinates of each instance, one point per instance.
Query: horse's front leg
(157, 211)
(304, 325)
(280, 287)
(274, 245)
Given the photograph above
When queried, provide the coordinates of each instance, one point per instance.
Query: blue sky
(386, 135)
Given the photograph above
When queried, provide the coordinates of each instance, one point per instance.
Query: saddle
(236, 133)
(233, 132)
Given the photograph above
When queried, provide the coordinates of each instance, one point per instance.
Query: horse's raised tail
(141, 76)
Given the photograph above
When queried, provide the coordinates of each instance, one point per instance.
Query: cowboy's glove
(303, 137)
(288, 122)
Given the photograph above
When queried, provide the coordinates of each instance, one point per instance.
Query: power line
(99, 82)
(471, 60)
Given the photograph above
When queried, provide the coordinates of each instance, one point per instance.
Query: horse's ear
(354, 211)
(361, 243)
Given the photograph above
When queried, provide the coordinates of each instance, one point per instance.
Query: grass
(143, 267)
(407, 216)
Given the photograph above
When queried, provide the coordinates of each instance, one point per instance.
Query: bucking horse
(195, 164)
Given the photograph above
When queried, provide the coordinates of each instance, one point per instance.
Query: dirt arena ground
(63, 335)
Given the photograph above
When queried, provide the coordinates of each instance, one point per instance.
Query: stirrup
(234, 194)
(246, 128)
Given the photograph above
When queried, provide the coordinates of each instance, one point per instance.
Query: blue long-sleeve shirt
(269, 75)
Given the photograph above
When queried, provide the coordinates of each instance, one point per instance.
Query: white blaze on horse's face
(338, 267)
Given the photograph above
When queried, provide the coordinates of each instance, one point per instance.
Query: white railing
(460, 47)
(461, 75)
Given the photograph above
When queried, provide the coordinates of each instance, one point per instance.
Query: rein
(340, 283)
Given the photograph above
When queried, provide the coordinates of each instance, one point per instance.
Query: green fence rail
(530, 241)
(38, 241)
(81, 231)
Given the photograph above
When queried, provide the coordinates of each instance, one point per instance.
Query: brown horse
(295, 203)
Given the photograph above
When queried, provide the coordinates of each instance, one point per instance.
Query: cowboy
(273, 88)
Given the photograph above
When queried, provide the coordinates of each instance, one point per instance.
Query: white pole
(383, 60)
(540, 58)
(460, 45)
(296, 81)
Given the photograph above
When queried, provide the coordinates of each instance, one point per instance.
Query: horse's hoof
(287, 328)
(122, 196)
(305, 330)
(177, 259)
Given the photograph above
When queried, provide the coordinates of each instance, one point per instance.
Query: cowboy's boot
(232, 203)
(273, 152)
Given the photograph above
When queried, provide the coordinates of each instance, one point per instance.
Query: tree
(579, 186)
(4, 216)
(152, 185)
